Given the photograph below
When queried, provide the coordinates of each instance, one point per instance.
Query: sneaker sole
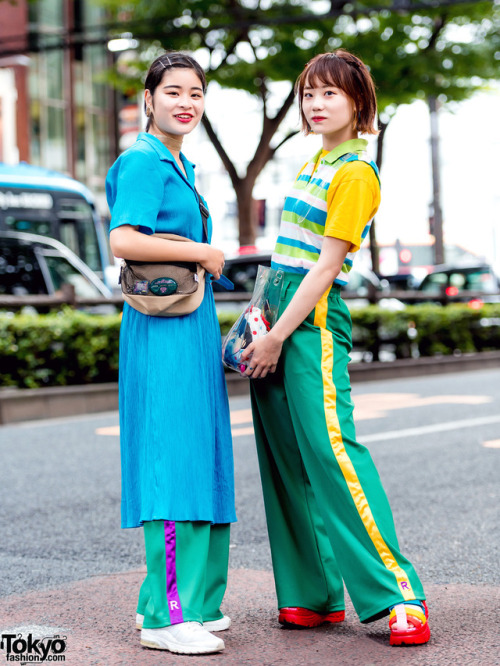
(209, 626)
(217, 625)
(179, 649)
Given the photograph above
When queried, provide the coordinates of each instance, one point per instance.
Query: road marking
(427, 430)
(377, 405)
(239, 432)
(492, 444)
(243, 417)
(110, 430)
(239, 416)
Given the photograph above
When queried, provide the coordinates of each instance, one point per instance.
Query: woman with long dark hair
(176, 452)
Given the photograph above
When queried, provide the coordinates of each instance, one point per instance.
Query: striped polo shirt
(305, 212)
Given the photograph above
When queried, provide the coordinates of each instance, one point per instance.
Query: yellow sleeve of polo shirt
(353, 199)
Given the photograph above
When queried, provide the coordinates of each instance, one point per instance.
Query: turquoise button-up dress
(175, 435)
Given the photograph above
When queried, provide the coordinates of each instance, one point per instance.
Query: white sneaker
(183, 638)
(221, 624)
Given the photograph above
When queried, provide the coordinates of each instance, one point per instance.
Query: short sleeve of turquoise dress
(175, 435)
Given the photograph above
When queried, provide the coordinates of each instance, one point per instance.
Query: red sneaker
(303, 617)
(409, 625)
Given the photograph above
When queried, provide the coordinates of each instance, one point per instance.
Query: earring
(148, 111)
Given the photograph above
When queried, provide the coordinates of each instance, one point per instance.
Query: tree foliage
(415, 49)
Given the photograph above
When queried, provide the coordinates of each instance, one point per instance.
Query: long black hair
(169, 61)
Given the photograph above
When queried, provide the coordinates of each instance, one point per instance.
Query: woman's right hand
(213, 261)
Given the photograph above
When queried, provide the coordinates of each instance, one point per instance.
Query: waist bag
(166, 288)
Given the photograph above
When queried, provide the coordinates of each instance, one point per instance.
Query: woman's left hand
(262, 356)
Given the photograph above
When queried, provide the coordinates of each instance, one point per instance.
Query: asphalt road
(436, 442)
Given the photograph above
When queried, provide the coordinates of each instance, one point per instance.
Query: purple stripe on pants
(173, 601)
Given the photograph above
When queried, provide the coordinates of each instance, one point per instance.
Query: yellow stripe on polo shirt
(340, 453)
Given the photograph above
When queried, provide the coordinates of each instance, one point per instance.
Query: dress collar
(162, 151)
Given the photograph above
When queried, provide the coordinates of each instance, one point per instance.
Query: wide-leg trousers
(187, 565)
(328, 517)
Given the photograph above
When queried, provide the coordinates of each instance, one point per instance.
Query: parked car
(401, 281)
(363, 285)
(453, 282)
(40, 201)
(33, 264)
(242, 269)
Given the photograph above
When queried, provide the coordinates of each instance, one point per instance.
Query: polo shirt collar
(351, 146)
(162, 151)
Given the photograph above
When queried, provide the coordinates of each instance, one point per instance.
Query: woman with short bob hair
(328, 517)
(348, 73)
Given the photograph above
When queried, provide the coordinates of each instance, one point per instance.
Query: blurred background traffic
(71, 75)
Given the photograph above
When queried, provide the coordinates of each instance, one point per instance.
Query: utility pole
(436, 213)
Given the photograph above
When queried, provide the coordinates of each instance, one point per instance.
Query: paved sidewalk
(97, 617)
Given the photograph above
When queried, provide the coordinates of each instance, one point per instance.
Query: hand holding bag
(257, 318)
(165, 289)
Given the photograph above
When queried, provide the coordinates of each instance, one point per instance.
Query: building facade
(56, 109)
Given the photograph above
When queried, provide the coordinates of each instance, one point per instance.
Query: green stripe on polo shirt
(295, 252)
(288, 216)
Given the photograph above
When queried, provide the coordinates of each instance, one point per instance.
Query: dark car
(31, 264)
(461, 283)
(364, 286)
(242, 269)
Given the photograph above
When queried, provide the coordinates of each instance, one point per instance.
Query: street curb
(17, 405)
(421, 367)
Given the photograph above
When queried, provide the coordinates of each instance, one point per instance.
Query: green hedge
(434, 329)
(72, 347)
(68, 347)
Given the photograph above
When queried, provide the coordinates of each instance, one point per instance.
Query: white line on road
(427, 430)
(492, 444)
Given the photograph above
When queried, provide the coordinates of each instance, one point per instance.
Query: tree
(446, 54)
(446, 49)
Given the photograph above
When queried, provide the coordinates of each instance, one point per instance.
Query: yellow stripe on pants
(340, 453)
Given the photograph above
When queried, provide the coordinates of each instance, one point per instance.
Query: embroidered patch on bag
(141, 288)
(163, 286)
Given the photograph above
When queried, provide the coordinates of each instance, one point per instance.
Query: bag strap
(204, 215)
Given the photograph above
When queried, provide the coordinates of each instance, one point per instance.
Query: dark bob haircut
(347, 72)
(166, 62)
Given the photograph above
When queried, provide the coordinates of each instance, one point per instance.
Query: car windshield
(20, 272)
(480, 279)
(74, 227)
(78, 231)
(63, 272)
(30, 224)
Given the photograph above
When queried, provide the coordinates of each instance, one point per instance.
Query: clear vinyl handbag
(256, 320)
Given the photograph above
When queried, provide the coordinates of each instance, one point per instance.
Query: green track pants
(328, 516)
(187, 564)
